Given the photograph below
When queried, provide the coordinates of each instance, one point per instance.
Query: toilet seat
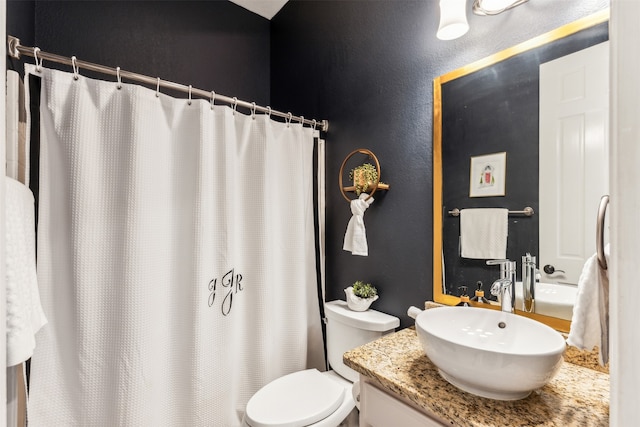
(295, 400)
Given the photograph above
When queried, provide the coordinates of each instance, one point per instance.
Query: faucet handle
(497, 261)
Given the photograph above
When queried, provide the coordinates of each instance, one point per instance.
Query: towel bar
(528, 211)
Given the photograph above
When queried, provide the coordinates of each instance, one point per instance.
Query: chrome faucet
(528, 283)
(505, 286)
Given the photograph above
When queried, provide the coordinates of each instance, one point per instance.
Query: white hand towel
(24, 312)
(483, 233)
(590, 320)
(355, 238)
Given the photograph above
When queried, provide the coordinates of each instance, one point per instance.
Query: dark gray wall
(212, 45)
(21, 20)
(368, 67)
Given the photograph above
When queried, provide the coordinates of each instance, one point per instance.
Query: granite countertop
(576, 396)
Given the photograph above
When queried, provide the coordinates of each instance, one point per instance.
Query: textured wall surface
(20, 20)
(368, 67)
(212, 45)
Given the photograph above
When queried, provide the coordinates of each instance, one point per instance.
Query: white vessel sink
(552, 299)
(490, 353)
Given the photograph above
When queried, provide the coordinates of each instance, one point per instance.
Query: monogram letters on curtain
(176, 257)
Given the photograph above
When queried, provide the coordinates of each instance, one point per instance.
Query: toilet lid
(295, 400)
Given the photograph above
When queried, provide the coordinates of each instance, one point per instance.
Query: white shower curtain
(176, 257)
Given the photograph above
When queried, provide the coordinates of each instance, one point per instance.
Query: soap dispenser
(479, 296)
(464, 298)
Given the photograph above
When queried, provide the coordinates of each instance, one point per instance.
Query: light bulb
(453, 19)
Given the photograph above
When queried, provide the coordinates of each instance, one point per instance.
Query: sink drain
(502, 325)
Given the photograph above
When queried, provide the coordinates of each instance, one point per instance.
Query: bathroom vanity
(400, 386)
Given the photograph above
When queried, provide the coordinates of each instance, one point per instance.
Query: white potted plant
(360, 295)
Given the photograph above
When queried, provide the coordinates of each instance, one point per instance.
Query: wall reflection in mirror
(497, 106)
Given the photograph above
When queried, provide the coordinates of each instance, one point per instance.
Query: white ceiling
(264, 8)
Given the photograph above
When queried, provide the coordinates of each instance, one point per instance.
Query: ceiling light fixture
(453, 19)
(494, 7)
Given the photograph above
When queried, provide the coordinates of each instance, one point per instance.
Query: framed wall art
(487, 175)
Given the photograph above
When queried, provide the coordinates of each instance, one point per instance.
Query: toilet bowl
(314, 398)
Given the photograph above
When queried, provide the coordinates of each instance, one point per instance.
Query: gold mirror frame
(564, 31)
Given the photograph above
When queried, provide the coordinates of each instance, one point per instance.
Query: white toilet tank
(347, 329)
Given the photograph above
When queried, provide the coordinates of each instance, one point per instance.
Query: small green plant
(364, 290)
(363, 176)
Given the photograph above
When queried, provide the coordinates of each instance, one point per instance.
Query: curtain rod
(15, 49)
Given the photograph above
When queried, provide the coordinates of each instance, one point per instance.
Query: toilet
(314, 398)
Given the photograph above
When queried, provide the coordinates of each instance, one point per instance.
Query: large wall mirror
(491, 107)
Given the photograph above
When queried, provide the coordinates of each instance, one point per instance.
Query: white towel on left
(355, 238)
(24, 312)
(590, 320)
(483, 233)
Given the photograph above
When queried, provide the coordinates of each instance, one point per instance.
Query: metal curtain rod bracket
(15, 49)
(528, 211)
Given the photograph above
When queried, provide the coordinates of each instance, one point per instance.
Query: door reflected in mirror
(574, 159)
(493, 105)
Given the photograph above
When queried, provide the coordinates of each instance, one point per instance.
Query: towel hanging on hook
(355, 238)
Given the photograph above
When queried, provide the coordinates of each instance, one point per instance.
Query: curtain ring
(314, 123)
(235, 105)
(253, 110)
(74, 65)
(213, 98)
(35, 55)
(190, 87)
(118, 77)
(268, 111)
(158, 88)
(302, 120)
(288, 118)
